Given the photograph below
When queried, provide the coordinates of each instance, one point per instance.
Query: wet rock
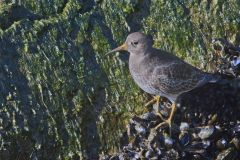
(137, 156)
(140, 129)
(158, 151)
(229, 57)
(222, 143)
(206, 132)
(196, 147)
(121, 156)
(184, 126)
(149, 116)
(227, 154)
(198, 142)
(149, 154)
(168, 141)
(171, 154)
(236, 130)
(162, 109)
(206, 143)
(236, 142)
(184, 138)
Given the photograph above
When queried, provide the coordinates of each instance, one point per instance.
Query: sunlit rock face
(60, 96)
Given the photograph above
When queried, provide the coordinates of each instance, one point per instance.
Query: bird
(161, 73)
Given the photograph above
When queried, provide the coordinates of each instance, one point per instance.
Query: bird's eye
(135, 43)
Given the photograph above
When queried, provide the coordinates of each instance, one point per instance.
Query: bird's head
(135, 43)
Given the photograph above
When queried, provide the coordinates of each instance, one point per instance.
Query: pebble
(206, 132)
(184, 126)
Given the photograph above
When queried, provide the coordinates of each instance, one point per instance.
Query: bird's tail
(220, 79)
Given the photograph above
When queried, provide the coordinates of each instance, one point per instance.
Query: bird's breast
(142, 75)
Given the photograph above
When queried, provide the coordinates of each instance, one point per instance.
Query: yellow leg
(155, 99)
(169, 120)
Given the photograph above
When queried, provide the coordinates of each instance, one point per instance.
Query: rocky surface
(206, 126)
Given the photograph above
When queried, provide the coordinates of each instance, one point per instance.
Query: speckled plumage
(159, 72)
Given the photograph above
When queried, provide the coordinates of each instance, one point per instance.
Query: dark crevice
(90, 112)
(16, 84)
(99, 19)
(87, 7)
(14, 14)
(141, 10)
(60, 9)
(186, 10)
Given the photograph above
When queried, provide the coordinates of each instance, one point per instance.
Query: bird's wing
(177, 77)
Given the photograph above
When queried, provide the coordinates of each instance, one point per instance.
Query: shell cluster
(226, 57)
(201, 138)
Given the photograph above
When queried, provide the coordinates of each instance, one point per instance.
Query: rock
(184, 126)
(184, 138)
(227, 154)
(236, 142)
(236, 130)
(222, 143)
(206, 132)
(168, 141)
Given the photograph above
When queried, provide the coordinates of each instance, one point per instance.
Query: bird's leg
(155, 99)
(169, 120)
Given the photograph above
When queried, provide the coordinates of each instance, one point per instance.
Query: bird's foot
(167, 122)
(155, 99)
(161, 117)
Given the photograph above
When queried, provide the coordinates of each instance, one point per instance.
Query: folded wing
(177, 77)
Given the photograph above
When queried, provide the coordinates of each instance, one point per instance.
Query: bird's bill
(120, 48)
